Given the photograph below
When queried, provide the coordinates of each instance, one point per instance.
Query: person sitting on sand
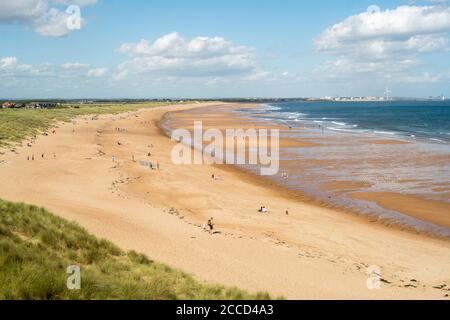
(210, 225)
(263, 210)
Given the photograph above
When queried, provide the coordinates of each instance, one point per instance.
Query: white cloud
(386, 27)
(47, 17)
(388, 44)
(12, 68)
(22, 10)
(404, 30)
(173, 55)
(53, 23)
(97, 72)
(8, 62)
(74, 65)
(259, 75)
(426, 77)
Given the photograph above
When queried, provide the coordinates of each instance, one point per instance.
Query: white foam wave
(386, 132)
(269, 107)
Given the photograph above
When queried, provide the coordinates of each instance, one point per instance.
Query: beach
(92, 171)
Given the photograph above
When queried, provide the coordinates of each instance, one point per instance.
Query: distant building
(8, 105)
(41, 105)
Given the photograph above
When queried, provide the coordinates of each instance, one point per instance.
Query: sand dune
(313, 252)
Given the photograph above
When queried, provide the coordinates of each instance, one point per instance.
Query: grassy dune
(18, 124)
(36, 247)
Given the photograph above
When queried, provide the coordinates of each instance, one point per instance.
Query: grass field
(19, 124)
(36, 247)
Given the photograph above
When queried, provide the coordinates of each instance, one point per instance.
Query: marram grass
(19, 124)
(36, 247)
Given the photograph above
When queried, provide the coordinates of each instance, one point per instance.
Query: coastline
(404, 211)
(314, 253)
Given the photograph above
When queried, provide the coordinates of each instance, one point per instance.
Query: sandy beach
(314, 252)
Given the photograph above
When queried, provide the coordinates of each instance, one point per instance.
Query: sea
(351, 148)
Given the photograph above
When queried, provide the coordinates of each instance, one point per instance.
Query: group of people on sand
(42, 156)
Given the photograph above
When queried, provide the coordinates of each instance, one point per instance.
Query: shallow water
(350, 154)
(335, 166)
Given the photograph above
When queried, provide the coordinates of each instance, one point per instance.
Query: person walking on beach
(113, 159)
(210, 225)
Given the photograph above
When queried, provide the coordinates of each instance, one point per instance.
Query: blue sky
(224, 49)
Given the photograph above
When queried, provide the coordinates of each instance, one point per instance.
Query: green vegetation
(19, 124)
(36, 247)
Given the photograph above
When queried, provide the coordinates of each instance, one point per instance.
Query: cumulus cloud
(378, 35)
(173, 55)
(385, 42)
(12, 68)
(47, 17)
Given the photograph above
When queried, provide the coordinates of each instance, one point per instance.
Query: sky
(212, 49)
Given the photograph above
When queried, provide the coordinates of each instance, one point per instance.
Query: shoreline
(314, 253)
(404, 217)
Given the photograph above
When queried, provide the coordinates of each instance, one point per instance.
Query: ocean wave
(341, 129)
(339, 123)
(269, 107)
(386, 132)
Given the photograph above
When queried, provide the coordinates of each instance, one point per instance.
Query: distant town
(51, 104)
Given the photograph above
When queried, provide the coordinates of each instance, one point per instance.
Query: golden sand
(314, 252)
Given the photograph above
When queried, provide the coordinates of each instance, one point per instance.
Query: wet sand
(423, 209)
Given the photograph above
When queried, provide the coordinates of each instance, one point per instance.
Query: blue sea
(349, 139)
(412, 119)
